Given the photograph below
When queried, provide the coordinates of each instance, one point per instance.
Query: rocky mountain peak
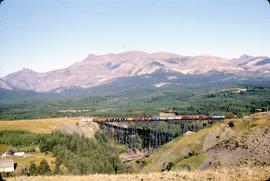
(97, 70)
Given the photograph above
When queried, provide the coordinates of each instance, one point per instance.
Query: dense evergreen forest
(20, 138)
(181, 100)
(82, 155)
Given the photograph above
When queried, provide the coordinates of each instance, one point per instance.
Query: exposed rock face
(100, 69)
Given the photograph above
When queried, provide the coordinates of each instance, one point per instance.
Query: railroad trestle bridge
(135, 137)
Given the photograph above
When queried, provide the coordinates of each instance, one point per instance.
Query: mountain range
(100, 70)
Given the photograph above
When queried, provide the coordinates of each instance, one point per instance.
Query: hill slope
(248, 149)
(249, 138)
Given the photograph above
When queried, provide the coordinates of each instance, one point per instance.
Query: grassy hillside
(190, 151)
(251, 147)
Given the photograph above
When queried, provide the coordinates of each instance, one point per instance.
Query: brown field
(233, 174)
(37, 125)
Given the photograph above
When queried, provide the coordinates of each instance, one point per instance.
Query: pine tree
(32, 169)
(57, 169)
(44, 168)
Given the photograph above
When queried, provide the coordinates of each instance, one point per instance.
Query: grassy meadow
(46, 125)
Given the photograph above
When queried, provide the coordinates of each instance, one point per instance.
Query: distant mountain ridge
(96, 70)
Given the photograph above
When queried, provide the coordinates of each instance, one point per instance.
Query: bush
(169, 166)
(231, 124)
(44, 168)
(192, 153)
(24, 171)
(32, 169)
(185, 167)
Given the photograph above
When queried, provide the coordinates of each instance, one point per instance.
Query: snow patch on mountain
(97, 70)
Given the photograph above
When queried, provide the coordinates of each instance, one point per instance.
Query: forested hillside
(228, 100)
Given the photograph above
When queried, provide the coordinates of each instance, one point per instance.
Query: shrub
(185, 167)
(43, 168)
(169, 166)
(193, 153)
(32, 169)
(231, 124)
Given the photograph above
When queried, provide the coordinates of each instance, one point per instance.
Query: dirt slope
(252, 148)
(87, 129)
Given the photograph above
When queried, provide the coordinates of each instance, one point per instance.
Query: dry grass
(233, 174)
(37, 125)
(23, 162)
(3, 148)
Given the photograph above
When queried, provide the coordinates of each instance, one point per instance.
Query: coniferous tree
(43, 168)
(32, 169)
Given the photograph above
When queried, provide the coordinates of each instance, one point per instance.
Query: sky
(49, 34)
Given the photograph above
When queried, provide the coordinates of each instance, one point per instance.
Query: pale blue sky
(47, 34)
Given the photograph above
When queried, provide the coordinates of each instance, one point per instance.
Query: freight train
(156, 118)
